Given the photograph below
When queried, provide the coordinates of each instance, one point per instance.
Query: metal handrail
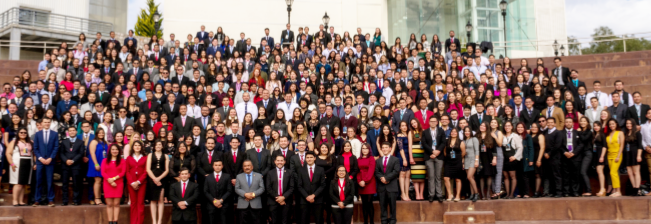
(40, 19)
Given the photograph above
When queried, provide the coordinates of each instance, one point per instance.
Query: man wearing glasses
(153, 71)
(98, 117)
(122, 120)
(179, 78)
(176, 88)
(163, 78)
(7, 92)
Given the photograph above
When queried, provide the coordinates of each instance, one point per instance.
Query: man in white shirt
(387, 92)
(603, 98)
(287, 106)
(624, 97)
(326, 52)
(646, 140)
(194, 110)
(246, 106)
(238, 96)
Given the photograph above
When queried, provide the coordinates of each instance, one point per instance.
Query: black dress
(157, 168)
(536, 152)
(258, 125)
(485, 159)
(597, 149)
(339, 145)
(631, 149)
(313, 129)
(453, 166)
(508, 150)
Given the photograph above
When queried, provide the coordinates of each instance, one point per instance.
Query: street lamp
(468, 30)
(289, 8)
(555, 45)
(326, 19)
(562, 50)
(503, 5)
(156, 18)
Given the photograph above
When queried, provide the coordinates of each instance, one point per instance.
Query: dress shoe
(558, 196)
(536, 195)
(64, 204)
(566, 195)
(475, 197)
(441, 199)
(430, 198)
(36, 204)
(575, 195)
(51, 204)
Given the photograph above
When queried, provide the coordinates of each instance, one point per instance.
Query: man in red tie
(285, 152)
(387, 169)
(217, 190)
(184, 195)
(259, 156)
(280, 187)
(312, 189)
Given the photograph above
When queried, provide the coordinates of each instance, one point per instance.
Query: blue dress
(100, 154)
(403, 144)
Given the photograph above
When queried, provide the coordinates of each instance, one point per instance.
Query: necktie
(149, 104)
(183, 120)
(85, 140)
(402, 112)
(517, 111)
(342, 196)
(280, 182)
(234, 157)
(204, 122)
(284, 153)
(385, 163)
(248, 179)
(265, 104)
(245, 108)
(301, 160)
(217, 178)
(209, 156)
(47, 132)
(549, 112)
(183, 192)
(311, 174)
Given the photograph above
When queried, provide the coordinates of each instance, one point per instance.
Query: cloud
(622, 16)
(134, 8)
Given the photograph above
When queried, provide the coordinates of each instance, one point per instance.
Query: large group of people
(300, 129)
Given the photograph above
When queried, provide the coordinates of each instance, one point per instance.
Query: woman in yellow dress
(615, 141)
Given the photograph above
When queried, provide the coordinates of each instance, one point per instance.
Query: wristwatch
(253, 194)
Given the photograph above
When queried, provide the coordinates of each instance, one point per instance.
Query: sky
(582, 16)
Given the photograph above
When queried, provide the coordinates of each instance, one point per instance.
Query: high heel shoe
(601, 193)
(475, 197)
(616, 194)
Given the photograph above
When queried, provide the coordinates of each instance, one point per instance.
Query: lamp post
(468, 31)
(562, 50)
(326, 19)
(289, 8)
(555, 45)
(156, 18)
(503, 5)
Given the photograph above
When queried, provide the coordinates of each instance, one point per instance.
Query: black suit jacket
(565, 73)
(288, 156)
(181, 130)
(474, 121)
(171, 112)
(144, 107)
(230, 167)
(390, 175)
(191, 197)
(306, 187)
(295, 162)
(349, 191)
(456, 41)
(284, 39)
(259, 166)
(218, 190)
(632, 113)
(204, 167)
(271, 185)
(271, 107)
(184, 80)
(577, 144)
(354, 168)
(427, 142)
(553, 147)
(72, 151)
(227, 142)
(528, 120)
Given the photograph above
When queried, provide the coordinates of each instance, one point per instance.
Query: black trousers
(312, 208)
(184, 222)
(249, 216)
(571, 168)
(368, 212)
(388, 199)
(586, 163)
(557, 174)
(218, 215)
(75, 174)
(279, 213)
(342, 215)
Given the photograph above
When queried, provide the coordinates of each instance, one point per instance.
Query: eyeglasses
(22, 132)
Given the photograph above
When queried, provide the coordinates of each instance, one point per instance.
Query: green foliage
(573, 46)
(605, 33)
(145, 25)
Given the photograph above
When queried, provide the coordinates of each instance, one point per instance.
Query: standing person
(455, 152)
(487, 159)
(249, 188)
(585, 133)
(499, 140)
(97, 151)
(404, 141)
(21, 160)
(72, 152)
(553, 151)
(599, 150)
(312, 188)
(342, 192)
(512, 151)
(471, 161)
(387, 169)
(646, 139)
(366, 180)
(46, 145)
(113, 170)
(217, 190)
(528, 158)
(433, 142)
(279, 184)
(137, 179)
(633, 155)
(204, 168)
(615, 142)
(157, 170)
(184, 195)
(538, 139)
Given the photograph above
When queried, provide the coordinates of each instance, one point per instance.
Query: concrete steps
(469, 217)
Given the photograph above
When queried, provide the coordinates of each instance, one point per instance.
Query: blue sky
(582, 16)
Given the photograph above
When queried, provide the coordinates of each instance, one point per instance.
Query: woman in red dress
(113, 169)
(137, 180)
(366, 181)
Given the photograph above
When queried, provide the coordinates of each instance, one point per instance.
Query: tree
(145, 25)
(602, 44)
(573, 46)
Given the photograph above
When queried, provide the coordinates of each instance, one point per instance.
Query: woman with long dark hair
(157, 170)
(20, 155)
(471, 162)
(98, 150)
(136, 180)
(342, 192)
(113, 171)
(366, 182)
(633, 155)
(487, 159)
(599, 151)
(616, 144)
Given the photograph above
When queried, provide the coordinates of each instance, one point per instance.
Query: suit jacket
(527, 119)
(213, 50)
(184, 80)
(577, 144)
(192, 193)
(395, 120)
(171, 112)
(270, 42)
(591, 117)
(138, 73)
(126, 40)
(202, 37)
(552, 145)
(558, 114)
(231, 167)
(271, 185)
(228, 53)
(390, 174)
(62, 107)
(632, 113)
(474, 121)
(271, 107)
(242, 187)
(197, 48)
(264, 164)
(448, 43)
(288, 156)
(117, 124)
(427, 142)
(227, 141)
(144, 107)
(565, 73)
(285, 39)
(419, 116)
(334, 191)
(204, 167)
(306, 187)
(182, 130)
(218, 190)
(46, 150)
(170, 59)
(72, 151)
(295, 163)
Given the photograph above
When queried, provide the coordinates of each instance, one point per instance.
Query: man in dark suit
(387, 169)
(266, 37)
(284, 152)
(130, 37)
(197, 48)
(214, 48)
(330, 120)
(373, 134)
(312, 188)
(136, 70)
(403, 114)
(297, 161)
(574, 84)
(113, 40)
(205, 167)
(287, 36)
(562, 73)
(433, 140)
(156, 55)
(451, 40)
(72, 152)
(184, 196)
(46, 145)
(202, 35)
(179, 78)
(171, 57)
(171, 108)
(530, 114)
(183, 124)
(230, 49)
(479, 117)
(572, 149)
(235, 127)
(638, 111)
(64, 104)
(259, 156)
(553, 151)
(233, 159)
(279, 183)
(293, 61)
(150, 104)
(217, 190)
(269, 105)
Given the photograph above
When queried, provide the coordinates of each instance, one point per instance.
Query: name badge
(345, 129)
(312, 134)
(628, 147)
(483, 148)
(594, 148)
(453, 154)
(104, 153)
(614, 116)
(71, 149)
(328, 126)
(280, 132)
(508, 147)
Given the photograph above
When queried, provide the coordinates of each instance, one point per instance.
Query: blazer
(62, 107)
(202, 37)
(285, 39)
(233, 168)
(371, 138)
(552, 145)
(271, 185)
(271, 107)
(565, 73)
(307, 187)
(395, 120)
(242, 187)
(632, 113)
(182, 130)
(264, 164)
(577, 144)
(349, 191)
(419, 117)
(204, 167)
(218, 190)
(270, 42)
(117, 124)
(427, 142)
(46, 150)
(592, 117)
(354, 167)
(227, 143)
(171, 112)
(288, 156)
(72, 151)
(136, 170)
(390, 175)
(295, 163)
(448, 43)
(191, 197)
(144, 107)
(529, 119)
(474, 121)
(557, 114)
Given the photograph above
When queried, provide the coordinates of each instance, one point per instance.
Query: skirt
(511, 166)
(630, 156)
(418, 171)
(24, 170)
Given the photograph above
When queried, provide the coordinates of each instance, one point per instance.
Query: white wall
(550, 25)
(76, 8)
(186, 17)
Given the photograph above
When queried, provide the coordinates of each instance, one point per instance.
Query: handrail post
(624, 39)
